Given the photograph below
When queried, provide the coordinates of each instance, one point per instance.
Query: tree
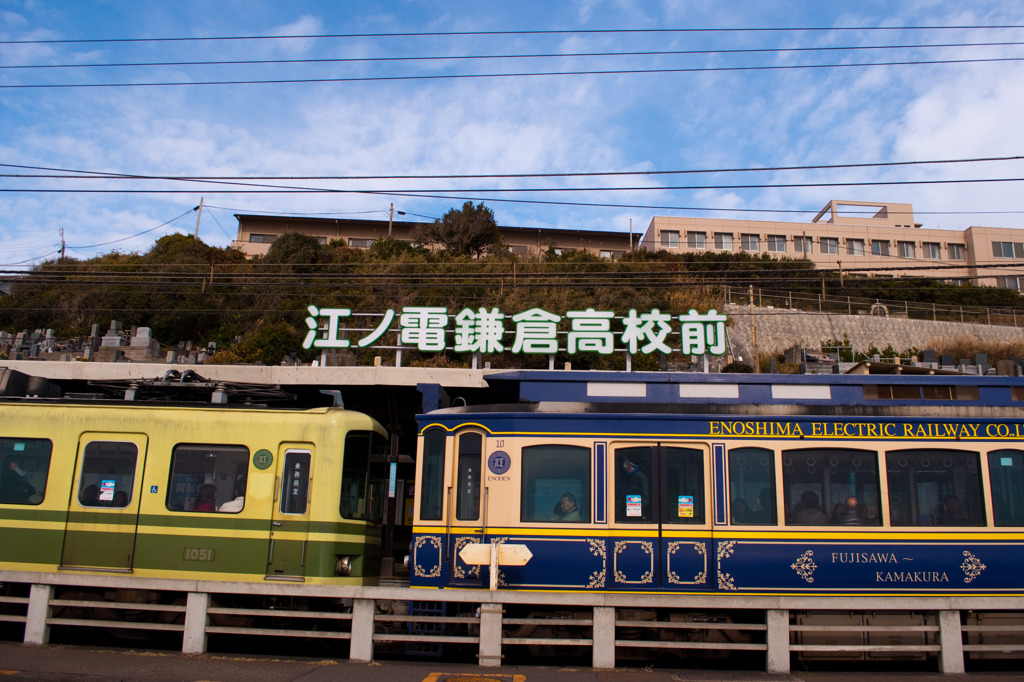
(470, 230)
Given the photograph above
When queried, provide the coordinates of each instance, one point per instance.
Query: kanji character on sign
(591, 331)
(652, 327)
(332, 340)
(423, 327)
(479, 331)
(536, 332)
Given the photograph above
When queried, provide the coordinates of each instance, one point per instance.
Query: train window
(432, 478)
(1006, 476)
(467, 504)
(934, 488)
(364, 476)
(684, 485)
(108, 474)
(831, 486)
(556, 484)
(204, 477)
(295, 481)
(752, 487)
(26, 462)
(633, 495)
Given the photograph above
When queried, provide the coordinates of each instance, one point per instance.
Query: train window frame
(23, 480)
(748, 508)
(190, 462)
(432, 474)
(295, 479)
(469, 458)
(837, 504)
(98, 462)
(364, 476)
(903, 503)
(998, 484)
(545, 505)
(676, 504)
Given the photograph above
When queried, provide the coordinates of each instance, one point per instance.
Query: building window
(1008, 249)
(855, 247)
(669, 239)
(750, 242)
(359, 243)
(777, 243)
(829, 245)
(1008, 283)
(723, 241)
(696, 240)
(879, 247)
(262, 238)
(519, 250)
(803, 245)
(606, 254)
(906, 250)
(957, 252)
(930, 250)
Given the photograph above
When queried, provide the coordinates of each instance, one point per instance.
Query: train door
(289, 525)
(661, 509)
(467, 507)
(103, 513)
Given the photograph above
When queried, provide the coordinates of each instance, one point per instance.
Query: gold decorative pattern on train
(457, 571)
(645, 546)
(418, 569)
(725, 550)
(805, 566)
(674, 578)
(972, 566)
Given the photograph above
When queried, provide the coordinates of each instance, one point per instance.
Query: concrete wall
(779, 329)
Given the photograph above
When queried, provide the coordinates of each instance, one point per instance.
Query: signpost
(479, 554)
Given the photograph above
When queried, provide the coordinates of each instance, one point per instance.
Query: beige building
(876, 239)
(257, 232)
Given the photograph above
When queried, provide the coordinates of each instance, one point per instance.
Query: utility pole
(199, 215)
(62, 243)
(391, 217)
(631, 235)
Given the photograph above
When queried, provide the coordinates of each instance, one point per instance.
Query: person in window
(634, 484)
(14, 488)
(741, 511)
(765, 512)
(120, 500)
(566, 511)
(951, 513)
(90, 496)
(207, 499)
(810, 514)
(236, 504)
(853, 514)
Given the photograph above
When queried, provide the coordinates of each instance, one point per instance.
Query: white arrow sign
(478, 554)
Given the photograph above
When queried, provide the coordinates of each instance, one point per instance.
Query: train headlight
(343, 566)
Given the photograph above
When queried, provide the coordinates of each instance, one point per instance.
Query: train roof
(582, 392)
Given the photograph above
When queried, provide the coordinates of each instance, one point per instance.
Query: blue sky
(644, 118)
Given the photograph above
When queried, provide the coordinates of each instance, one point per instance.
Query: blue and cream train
(729, 484)
(214, 492)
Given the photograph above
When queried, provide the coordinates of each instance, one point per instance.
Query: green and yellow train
(211, 492)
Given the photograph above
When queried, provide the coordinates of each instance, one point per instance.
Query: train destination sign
(534, 331)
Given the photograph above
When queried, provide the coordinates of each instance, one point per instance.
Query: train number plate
(197, 554)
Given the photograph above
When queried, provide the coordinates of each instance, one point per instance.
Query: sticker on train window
(107, 490)
(686, 506)
(1006, 461)
(633, 506)
(19, 447)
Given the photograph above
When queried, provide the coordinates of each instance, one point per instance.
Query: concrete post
(951, 657)
(194, 640)
(490, 636)
(361, 648)
(604, 638)
(36, 629)
(777, 658)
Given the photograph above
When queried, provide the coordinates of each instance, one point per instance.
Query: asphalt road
(79, 664)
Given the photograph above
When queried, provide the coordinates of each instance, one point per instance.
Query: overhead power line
(434, 34)
(104, 175)
(545, 55)
(434, 77)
